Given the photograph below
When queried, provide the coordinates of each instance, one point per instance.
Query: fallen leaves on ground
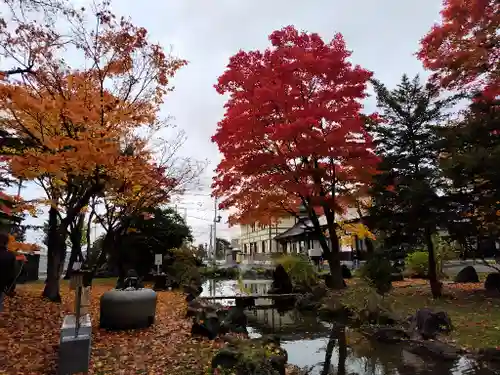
(474, 313)
(30, 326)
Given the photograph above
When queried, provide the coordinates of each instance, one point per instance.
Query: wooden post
(85, 300)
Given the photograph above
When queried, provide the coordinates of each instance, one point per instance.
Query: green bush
(301, 271)
(417, 264)
(377, 273)
(182, 266)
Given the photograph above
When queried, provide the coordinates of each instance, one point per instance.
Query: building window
(263, 246)
(245, 249)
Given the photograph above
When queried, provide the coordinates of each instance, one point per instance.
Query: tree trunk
(55, 258)
(75, 236)
(342, 341)
(122, 259)
(75, 256)
(436, 286)
(337, 336)
(57, 242)
(369, 247)
(327, 364)
(333, 258)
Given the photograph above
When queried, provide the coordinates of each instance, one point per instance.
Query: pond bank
(305, 337)
(31, 328)
(475, 314)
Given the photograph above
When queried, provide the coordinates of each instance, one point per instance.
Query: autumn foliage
(83, 131)
(464, 49)
(293, 133)
(292, 130)
(12, 208)
(74, 122)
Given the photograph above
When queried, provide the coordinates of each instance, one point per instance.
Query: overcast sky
(383, 36)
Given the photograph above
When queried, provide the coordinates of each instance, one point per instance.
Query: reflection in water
(327, 349)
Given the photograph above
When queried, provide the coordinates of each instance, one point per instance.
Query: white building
(256, 241)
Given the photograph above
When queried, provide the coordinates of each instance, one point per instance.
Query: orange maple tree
(293, 133)
(464, 49)
(12, 207)
(27, 33)
(74, 122)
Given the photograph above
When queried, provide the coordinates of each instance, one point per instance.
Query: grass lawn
(475, 315)
(29, 336)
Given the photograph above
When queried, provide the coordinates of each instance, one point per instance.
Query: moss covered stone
(262, 356)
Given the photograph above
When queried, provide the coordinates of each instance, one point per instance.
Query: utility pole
(210, 249)
(216, 220)
(215, 230)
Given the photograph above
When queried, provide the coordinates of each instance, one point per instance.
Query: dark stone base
(74, 352)
(127, 309)
(161, 282)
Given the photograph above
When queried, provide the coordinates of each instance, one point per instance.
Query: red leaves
(293, 126)
(465, 48)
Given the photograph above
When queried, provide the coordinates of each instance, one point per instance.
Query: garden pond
(327, 348)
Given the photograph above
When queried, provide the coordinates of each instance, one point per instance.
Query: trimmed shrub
(181, 266)
(377, 272)
(417, 264)
(301, 271)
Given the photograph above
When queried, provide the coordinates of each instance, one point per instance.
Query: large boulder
(206, 323)
(235, 321)
(467, 275)
(307, 302)
(319, 291)
(192, 291)
(492, 282)
(388, 335)
(427, 324)
(434, 349)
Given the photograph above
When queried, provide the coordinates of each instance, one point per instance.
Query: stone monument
(76, 330)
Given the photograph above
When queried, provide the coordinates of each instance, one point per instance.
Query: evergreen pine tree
(470, 155)
(406, 206)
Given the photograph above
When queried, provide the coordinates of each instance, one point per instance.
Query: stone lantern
(76, 330)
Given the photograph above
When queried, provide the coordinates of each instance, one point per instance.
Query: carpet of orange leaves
(29, 337)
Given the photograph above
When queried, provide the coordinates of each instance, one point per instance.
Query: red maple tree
(293, 134)
(464, 49)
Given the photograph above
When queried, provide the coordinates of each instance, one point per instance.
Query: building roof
(305, 225)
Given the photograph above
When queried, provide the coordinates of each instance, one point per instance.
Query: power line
(198, 218)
